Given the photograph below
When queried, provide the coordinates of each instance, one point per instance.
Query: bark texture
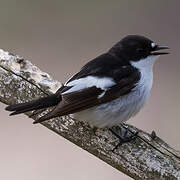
(147, 157)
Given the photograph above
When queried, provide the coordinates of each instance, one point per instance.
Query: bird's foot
(123, 134)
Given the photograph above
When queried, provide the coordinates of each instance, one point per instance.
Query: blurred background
(59, 37)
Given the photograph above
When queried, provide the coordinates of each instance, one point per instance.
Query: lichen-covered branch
(147, 157)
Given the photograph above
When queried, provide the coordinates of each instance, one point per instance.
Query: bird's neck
(145, 65)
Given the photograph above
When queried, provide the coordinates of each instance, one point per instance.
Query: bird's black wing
(89, 97)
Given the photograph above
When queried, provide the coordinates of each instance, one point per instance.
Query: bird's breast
(118, 110)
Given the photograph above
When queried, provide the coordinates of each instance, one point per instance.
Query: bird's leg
(133, 134)
(124, 134)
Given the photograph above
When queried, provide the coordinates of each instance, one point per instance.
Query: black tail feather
(40, 103)
(23, 111)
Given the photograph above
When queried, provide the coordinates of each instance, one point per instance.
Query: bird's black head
(135, 48)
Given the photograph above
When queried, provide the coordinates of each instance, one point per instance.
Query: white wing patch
(90, 81)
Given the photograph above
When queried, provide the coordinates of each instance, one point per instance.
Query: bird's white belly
(116, 111)
(119, 110)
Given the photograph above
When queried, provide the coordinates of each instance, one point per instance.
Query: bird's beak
(157, 48)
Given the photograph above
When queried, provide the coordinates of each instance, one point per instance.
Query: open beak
(157, 48)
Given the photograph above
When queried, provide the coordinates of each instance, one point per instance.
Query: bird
(108, 90)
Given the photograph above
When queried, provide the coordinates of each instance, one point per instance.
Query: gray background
(59, 37)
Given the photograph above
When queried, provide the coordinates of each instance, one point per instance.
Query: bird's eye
(139, 50)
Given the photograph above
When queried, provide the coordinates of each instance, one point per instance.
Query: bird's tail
(40, 103)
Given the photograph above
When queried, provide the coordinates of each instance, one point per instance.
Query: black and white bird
(108, 90)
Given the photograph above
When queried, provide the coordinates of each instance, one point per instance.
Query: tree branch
(147, 157)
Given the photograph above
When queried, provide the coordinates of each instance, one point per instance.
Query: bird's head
(136, 48)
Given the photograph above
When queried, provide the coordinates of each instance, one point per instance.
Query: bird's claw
(124, 136)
